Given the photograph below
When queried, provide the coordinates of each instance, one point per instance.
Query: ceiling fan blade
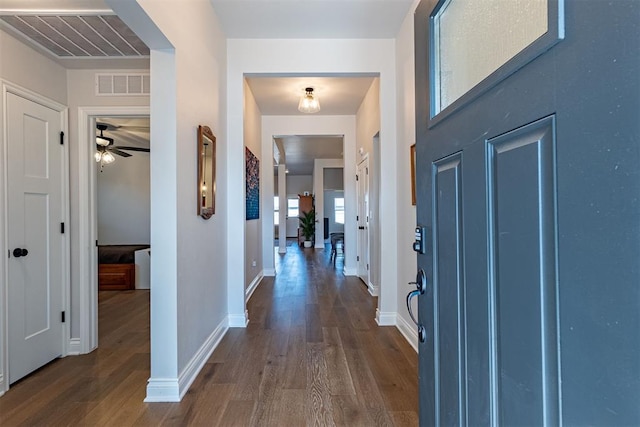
(146, 150)
(119, 153)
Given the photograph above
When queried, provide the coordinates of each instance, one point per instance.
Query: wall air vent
(123, 84)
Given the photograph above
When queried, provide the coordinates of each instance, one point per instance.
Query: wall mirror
(206, 172)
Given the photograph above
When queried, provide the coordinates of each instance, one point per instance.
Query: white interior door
(362, 257)
(36, 246)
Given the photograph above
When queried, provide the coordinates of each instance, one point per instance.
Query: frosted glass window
(472, 39)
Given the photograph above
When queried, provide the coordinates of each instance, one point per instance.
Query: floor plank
(312, 354)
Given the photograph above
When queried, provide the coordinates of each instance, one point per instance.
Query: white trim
(385, 318)
(193, 368)
(269, 272)
(252, 286)
(163, 390)
(409, 331)
(8, 87)
(350, 271)
(373, 290)
(239, 320)
(87, 235)
(73, 347)
(174, 389)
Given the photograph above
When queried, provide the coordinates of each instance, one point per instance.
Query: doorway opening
(128, 129)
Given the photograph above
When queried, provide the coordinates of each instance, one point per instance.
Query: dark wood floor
(311, 355)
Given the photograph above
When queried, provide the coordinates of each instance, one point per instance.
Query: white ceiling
(301, 150)
(311, 18)
(279, 96)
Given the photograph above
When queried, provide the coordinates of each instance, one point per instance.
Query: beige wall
(23, 66)
(253, 228)
(189, 276)
(367, 127)
(407, 261)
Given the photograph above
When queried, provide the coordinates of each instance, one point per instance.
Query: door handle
(421, 287)
(18, 252)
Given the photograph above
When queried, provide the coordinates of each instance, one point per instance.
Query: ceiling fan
(105, 147)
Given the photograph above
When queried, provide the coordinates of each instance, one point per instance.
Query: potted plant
(308, 226)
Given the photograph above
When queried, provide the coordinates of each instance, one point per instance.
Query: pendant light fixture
(309, 103)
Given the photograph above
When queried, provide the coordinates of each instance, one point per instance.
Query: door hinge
(96, 243)
(63, 317)
(357, 218)
(356, 177)
(62, 227)
(8, 253)
(367, 171)
(61, 138)
(367, 267)
(358, 258)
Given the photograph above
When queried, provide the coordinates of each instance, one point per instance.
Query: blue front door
(530, 192)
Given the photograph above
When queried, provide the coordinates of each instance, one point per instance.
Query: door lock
(421, 288)
(18, 252)
(419, 244)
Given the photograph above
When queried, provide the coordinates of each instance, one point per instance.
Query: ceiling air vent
(122, 84)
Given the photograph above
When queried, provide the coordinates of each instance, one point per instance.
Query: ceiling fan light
(107, 158)
(102, 141)
(98, 156)
(309, 103)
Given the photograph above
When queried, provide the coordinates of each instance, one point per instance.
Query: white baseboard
(408, 330)
(252, 286)
(3, 386)
(384, 318)
(269, 272)
(193, 368)
(239, 320)
(163, 390)
(174, 389)
(373, 290)
(73, 348)
(350, 271)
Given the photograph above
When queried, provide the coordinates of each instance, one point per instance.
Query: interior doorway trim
(8, 87)
(88, 234)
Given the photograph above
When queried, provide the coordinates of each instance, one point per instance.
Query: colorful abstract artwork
(252, 180)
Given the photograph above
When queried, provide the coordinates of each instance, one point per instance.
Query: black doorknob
(18, 252)
(361, 227)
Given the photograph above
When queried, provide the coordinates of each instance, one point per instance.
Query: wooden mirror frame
(206, 194)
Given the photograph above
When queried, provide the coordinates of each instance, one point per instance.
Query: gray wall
(123, 199)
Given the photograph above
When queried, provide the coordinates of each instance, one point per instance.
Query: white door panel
(35, 211)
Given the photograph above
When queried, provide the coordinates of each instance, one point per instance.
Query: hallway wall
(407, 259)
(188, 274)
(253, 228)
(367, 127)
